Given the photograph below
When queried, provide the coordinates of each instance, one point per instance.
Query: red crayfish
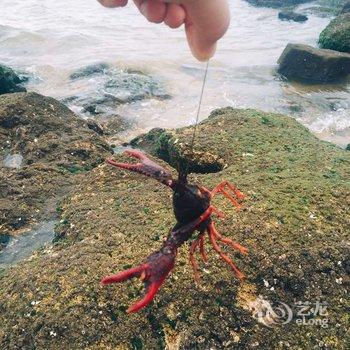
(193, 211)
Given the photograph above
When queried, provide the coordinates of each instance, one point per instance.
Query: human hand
(206, 21)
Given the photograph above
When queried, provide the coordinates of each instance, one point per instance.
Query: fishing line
(199, 108)
(183, 172)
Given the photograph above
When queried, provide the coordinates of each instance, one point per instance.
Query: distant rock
(336, 36)
(89, 71)
(292, 16)
(348, 147)
(135, 86)
(325, 8)
(106, 88)
(277, 3)
(10, 81)
(346, 8)
(306, 63)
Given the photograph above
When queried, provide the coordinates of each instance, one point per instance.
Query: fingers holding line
(155, 11)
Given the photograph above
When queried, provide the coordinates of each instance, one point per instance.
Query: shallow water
(52, 39)
(21, 247)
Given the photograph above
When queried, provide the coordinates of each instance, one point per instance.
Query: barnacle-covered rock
(165, 145)
(294, 221)
(42, 146)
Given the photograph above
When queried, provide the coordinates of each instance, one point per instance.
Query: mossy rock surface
(295, 224)
(55, 145)
(336, 36)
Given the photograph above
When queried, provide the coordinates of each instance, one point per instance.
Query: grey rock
(306, 63)
(108, 88)
(88, 71)
(13, 161)
(292, 16)
(10, 81)
(346, 8)
(277, 3)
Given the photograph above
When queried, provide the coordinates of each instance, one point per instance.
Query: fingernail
(144, 9)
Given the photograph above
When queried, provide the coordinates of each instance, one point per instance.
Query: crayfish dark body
(193, 211)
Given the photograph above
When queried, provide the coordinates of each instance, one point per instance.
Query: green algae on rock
(54, 144)
(179, 155)
(336, 36)
(295, 223)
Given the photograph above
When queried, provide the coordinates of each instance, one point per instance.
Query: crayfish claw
(124, 276)
(145, 167)
(153, 273)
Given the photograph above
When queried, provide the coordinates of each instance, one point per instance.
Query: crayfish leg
(213, 235)
(220, 188)
(198, 242)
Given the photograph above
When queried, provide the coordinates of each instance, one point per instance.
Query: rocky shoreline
(294, 223)
(329, 63)
(294, 220)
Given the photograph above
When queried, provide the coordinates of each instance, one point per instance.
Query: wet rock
(277, 3)
(292, 16)
(43, 145)
(13, 161)
(21, 247)
(325, 8)
(348, 147)
(336, 36)
(95, 126)
(134, 86)
(10, 81)
(113, 219)
(91, 70)
(346, 8)
(4, 240)
(306, 63)
(106, 89)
